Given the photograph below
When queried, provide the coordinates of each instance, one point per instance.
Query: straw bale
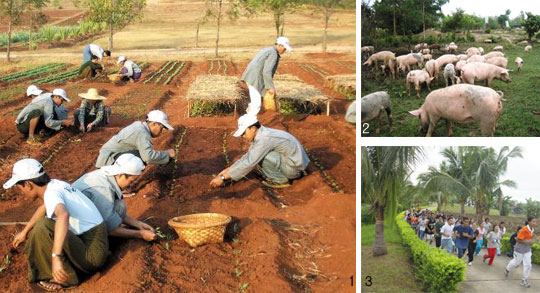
(345, 81)
(214, 87)
(291, 87)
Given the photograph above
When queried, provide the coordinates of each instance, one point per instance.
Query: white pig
(476, 58)
(499, 61)
(432, 67)
(461, 103)
(418, 77)
(493, 55)
(528, 48)
(410, 59)
(459, 66)
(424, 51)
(519, 63)
(472, 51)
(462, 57)
(445, 59)
(450, 73)
(427, 57)
(498, 48)
(372, 106)
(481, 50)
(385, 57)
(477, 71)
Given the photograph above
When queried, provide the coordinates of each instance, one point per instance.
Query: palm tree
(384, 171)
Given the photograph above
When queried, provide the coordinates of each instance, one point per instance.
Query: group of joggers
(461, 234)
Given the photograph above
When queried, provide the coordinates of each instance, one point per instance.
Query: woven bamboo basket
(200, 229)
(114, 77)
(269, 102)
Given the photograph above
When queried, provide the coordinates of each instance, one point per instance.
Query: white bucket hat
(125, 164)
(92, 94)
(121, 59)
(160, 117)
(23, 170)
(244, 122)
(284, 42)
(33, 90)
(62, 93)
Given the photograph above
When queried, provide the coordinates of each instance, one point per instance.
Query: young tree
(327, 8)
(12, 10)
(531, 24)
(216, 9)
(116, 13)
(277, 7)
(384, 173)
(37, 17)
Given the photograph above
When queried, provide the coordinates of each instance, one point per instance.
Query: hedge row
(437, 270)
(506, 247)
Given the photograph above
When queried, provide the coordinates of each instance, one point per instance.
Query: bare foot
(50, 286)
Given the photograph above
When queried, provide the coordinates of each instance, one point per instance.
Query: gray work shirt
(106, 195)
(135, 137)
(522, 247)
(44, 103)
(260, 71)
(267, 140)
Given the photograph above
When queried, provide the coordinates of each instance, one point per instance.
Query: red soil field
(299, 239)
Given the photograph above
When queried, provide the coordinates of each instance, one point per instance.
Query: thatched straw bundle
(214, 88)
(292, 88)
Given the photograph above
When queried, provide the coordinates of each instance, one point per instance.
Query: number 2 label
(365, 128)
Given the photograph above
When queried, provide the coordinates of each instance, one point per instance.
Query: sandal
(271, 184)
(51, 286)
(33, 141)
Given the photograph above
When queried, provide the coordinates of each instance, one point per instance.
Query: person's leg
(89, 250)
(255, 101)
(498, 249)
(478, 246)
(270, 167)
(422, 235)
(470, 252)
(461, 252)
(76, 118)
(87, 55)
(518, 258)
(491, 252)
(444, 243)
(437, 242)
(527, 265)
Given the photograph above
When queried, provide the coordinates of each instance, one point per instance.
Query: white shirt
(83, 214)
(96, 51)
(422, 224)
(447, 229)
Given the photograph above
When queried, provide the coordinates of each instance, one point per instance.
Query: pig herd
(460, 101)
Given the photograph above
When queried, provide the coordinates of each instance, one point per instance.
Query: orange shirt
(525, 233)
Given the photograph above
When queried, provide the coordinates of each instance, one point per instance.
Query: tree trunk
(500, 205)
(394, 8)
(30, 39)
(282, 30)
(423, 21)
(110, 36)
(462, 204)
(277, 22)
(9, 41)
(326, 20)
(480, 208)
(197, 35)
(218, 27)
(379, 245)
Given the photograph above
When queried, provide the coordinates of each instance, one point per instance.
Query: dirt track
(298, 239)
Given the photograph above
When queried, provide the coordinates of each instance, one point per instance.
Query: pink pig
(461, 103)
(478, 71)
(418, 77)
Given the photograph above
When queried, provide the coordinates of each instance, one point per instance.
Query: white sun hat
(284, 42)
(23, 170)
(62, 93)
(33, 90)
(244, 122)
(121, 59)
(160, 117)
(125, 164)
(92, 94)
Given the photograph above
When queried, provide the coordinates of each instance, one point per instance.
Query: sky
(525, 172)
(492, 7)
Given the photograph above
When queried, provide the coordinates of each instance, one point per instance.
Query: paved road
(481, 277)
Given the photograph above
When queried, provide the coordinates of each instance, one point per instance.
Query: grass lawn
(456, 209)
(393, 272)
(517, 118)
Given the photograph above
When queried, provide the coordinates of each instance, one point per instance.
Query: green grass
(456, 209)
(12, 92)
(391, 235)
(517, 118)
(393, 272)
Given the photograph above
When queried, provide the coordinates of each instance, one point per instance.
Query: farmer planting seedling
(260, 72)
(90, 68)
(137, 139)
(68, 238)
(95, 50)
(41, 114)
(92, 111)
(130, 70)
(281, 158)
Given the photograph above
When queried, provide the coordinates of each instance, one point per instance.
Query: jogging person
(513, 242)
(480, 239)
(472, 245)
(523, 252)
(464, 232)
(446, 236)
(438, 227)
(493, 238)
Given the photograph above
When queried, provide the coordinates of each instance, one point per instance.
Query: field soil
(299, 239)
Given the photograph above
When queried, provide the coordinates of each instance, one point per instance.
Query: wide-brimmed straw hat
(92, 94)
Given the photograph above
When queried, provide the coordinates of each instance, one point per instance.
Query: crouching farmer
(130, 70)
(137, 139)
(41, 114)
(92, 111)
(280, 156)
(90, 69)
(104, 188)
(68, 238)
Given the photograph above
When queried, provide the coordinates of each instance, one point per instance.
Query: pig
(519, 63)
(528, 48)
(384, 56)
(477, 71)
(472, 51)
(418, 77)
(432, 67)
(493, 54)
(462, 57)
(434, 47)
(461, 103)
(452, 48)
(367, 51)
(372, 106)
(407, 60)
(523, 42)
(427, 57)
(476, 58)
(450, 73)
(459, 66)
(445, 59)
(417, 47)
(499, 61)
(481, 50)
(424, 51)
(488, 41)
(498, 48)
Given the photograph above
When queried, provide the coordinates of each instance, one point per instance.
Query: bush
(431, 40)
(470, 38)
(365, 217)
(506, 247)
(437, 270)
(488, 31)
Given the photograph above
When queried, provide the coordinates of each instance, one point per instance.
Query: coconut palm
(384, 172)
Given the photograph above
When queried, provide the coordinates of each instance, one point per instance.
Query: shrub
(470, 38)
(437, 270)
(506, 247)
(365, 217)
(488, 31)
(431, 40)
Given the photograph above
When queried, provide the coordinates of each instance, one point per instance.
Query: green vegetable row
(50, 67)
(58, 77)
